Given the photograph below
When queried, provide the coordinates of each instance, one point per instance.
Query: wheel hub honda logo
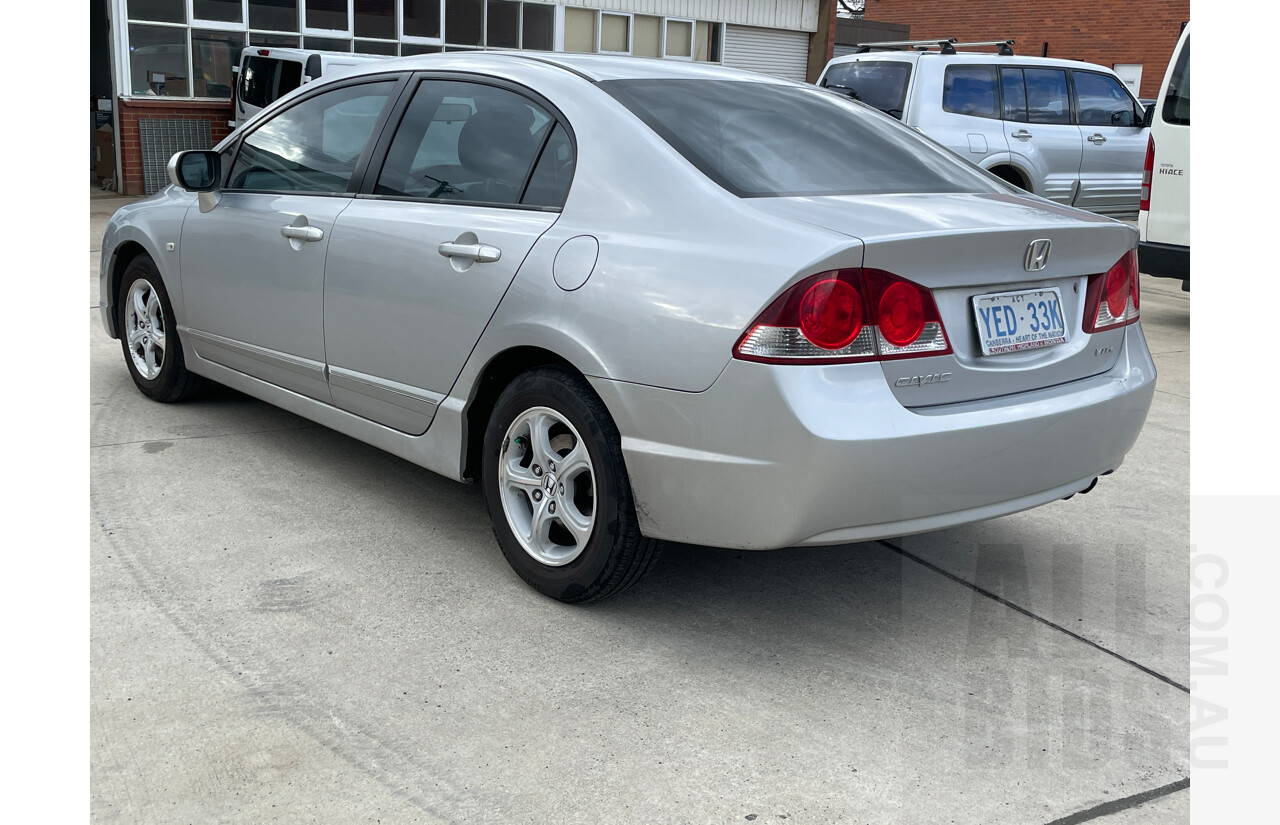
(1037, 255)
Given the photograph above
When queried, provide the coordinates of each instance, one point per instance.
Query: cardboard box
(104, 145)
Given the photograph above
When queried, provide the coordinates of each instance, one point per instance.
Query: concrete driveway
(291, 626)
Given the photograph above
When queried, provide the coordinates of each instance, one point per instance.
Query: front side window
(970, 90)
(312, 146)
(462, 141)
(1176, 107)
(1103, 101)
(1047, 99)
(878, 83)
(767, 140)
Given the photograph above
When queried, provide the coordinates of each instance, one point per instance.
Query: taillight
(846, 315)
(1111, 299)
(1148, 169)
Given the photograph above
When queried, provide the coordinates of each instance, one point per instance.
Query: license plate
(1014, 321)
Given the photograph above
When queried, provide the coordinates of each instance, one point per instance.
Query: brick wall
(133, 109)
(1098, 31)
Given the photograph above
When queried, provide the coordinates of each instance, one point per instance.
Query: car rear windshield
(878, 83)
(766, 140)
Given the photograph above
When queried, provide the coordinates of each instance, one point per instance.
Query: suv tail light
(1111, 299)
(846, 315)
(1148, 169)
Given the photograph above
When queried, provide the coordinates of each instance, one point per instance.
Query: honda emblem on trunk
(1037, 255)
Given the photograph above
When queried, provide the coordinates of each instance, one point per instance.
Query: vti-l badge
(1037, 255)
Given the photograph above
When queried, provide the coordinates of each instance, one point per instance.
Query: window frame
(630, 32)
(693, 29)
(358, 174)
(395, 117)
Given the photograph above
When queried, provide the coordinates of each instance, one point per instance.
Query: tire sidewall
(548, 389)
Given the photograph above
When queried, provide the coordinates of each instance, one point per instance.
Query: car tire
(557, 489)
(149, 335)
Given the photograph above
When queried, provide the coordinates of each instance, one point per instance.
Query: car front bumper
(779, 455)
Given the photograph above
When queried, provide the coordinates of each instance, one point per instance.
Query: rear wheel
(149, 336)
(557, 489)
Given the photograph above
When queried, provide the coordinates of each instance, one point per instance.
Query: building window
(580, 30)
(679, 39)
(539, 26)
(328, 14)
(158, 11)
(274, 15)
(326, 44)
(615, 33)
(646, 36)
(376, 19)
(464, 22)
(502, 30)
(219, 11)
(213, 54)
(158, 60)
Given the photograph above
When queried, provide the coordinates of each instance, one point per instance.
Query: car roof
(971, 57)
(592, 67)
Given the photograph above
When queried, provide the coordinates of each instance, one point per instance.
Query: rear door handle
(1096, 140)
(1021, 134)
(478, 252)
(302, 233)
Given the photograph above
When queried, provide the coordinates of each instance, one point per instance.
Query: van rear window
(1176, 108)
(264, 79)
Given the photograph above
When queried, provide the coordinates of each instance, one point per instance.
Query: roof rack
(946, 46)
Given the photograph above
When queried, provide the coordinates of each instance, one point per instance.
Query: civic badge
(1037, 255)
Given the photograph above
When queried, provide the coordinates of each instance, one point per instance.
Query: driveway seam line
(1029, 614)
(1118, 805)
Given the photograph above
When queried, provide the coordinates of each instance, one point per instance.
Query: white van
(1164, 217)
(266, 74)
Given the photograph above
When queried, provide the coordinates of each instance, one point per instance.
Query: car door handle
(478, 252)
(1021, 134)
(1096, 140)
(302, 233)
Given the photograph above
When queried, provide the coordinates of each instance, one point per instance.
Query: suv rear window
(970, 90)
(264, 79)
(766, 140)
(878, 83)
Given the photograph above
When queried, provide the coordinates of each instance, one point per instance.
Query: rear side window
(312, 146)
(878, 83)
(1014, 94)
(1103, 101)
(265, 79)
(970, 90)
(463, 141)
(1176, 107)
(1047, 98)
(767, 140)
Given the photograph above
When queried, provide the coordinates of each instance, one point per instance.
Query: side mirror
(1149, 115)
(196, 170)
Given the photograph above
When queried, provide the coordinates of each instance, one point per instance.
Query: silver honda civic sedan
(641, 301)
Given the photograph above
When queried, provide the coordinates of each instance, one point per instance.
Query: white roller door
(778, 52)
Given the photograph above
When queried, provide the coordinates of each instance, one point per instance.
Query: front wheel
(557, 489)
(149, 335)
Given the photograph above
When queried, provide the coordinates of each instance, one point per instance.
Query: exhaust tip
(1092, 484)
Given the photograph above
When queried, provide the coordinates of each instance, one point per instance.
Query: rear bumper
(774, 456)
(1165, 260)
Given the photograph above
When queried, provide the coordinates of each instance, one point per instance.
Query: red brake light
(901, 316)
(846, 315)
(264, 52)
(1148, 169)
(831, 314)
(1111, 299)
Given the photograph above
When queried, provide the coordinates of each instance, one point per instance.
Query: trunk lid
(966, 245)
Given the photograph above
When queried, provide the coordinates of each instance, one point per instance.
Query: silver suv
(1065, 130)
